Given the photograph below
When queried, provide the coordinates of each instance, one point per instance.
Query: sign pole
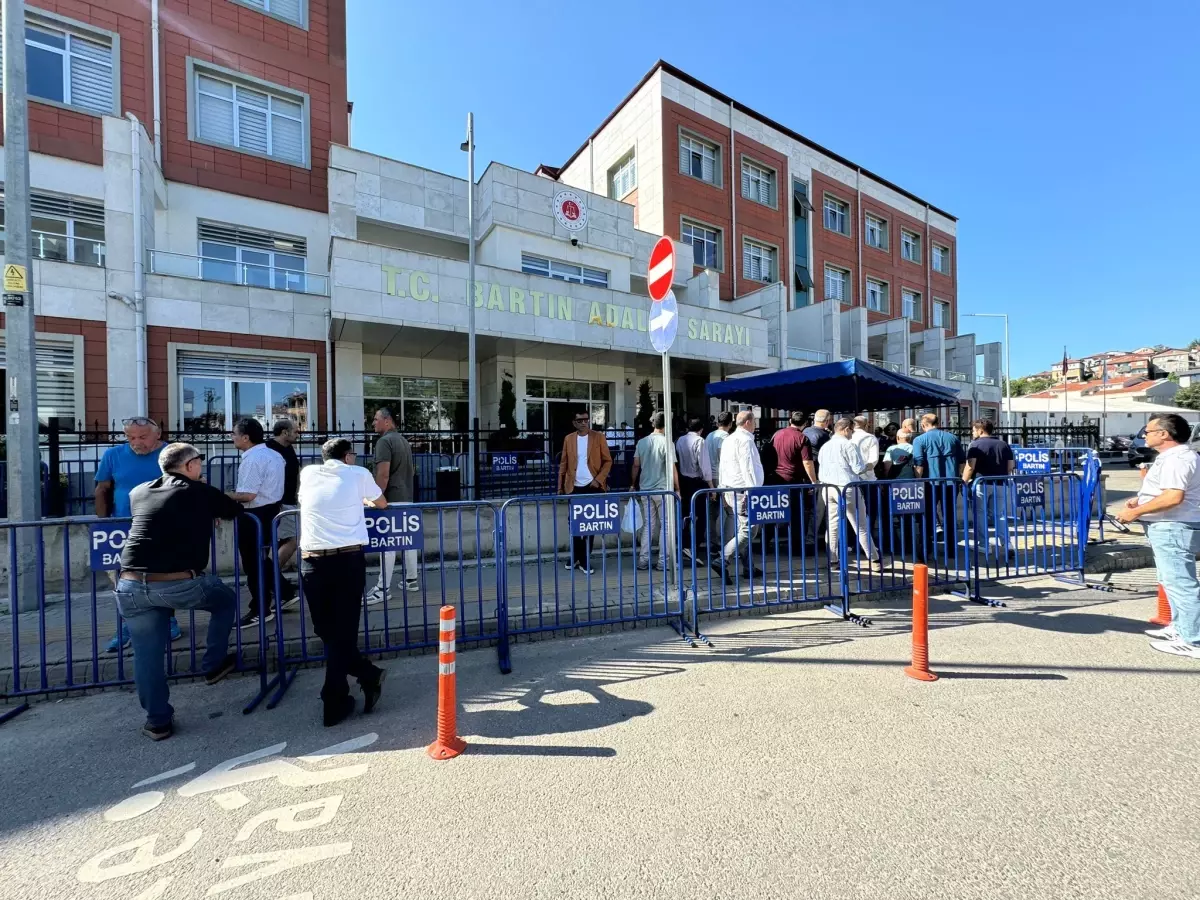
(664, 323)
(669, 505)
(21, 411)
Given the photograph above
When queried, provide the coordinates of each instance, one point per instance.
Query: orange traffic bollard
(448, 744)
(920, 635)
(1163, 615)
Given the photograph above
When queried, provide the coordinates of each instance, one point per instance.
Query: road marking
(287, 818)
(154, 779)
(156, 890)
(231, 800)
(357, 743)
(277, 861)
(226, 775)
(132, 807)
(94, 871)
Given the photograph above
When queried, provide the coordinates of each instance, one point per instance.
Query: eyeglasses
(139, 420)
(1159, 430)
(199, 457)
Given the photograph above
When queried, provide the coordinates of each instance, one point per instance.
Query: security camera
(574, 242)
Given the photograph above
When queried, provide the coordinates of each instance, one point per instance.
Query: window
(622, 178)
(552, 268)
(941, 259)
(835, 284)
(706, 244)
(70, 65)
(64, 229)
(217, 389)
(543, 394)
(837, 215)
(910, 246)
(875, 232)
(56, 393)
(419, 404)
(269, 122)
(758, 183)
(877, 296)
(912, 305)
(699, 159)
(256, 258)
(758, 261)
(288, 10)
(941, 314)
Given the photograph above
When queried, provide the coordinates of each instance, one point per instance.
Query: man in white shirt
(712, 446)
(841, 464)
(260, 490)
(741, 467)
(333, 570)
(695, 475)
(1169, 502)
(867, 444)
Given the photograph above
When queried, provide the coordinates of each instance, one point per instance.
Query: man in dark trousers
(162, 569)
(583, 469)
(333, 569)
(260, 490)
(796, 464)
(819, 434)
(284, 436)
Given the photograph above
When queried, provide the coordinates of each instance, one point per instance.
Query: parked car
(1139, 453)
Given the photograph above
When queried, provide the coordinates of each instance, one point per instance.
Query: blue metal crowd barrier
(516, 473)
(60, 665)
(441, 553)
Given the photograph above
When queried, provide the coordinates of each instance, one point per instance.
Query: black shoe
(584, 568)
(223, 668)
(250, 620)
(372, 690)
(291, 596)
(338, 711)
(158, 732)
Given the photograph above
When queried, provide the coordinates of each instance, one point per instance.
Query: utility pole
(21, 417)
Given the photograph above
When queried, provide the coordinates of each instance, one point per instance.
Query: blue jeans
(147, 611)
(991, 502)
(1175, 545)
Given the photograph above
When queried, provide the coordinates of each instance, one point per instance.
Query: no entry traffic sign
(661, 270)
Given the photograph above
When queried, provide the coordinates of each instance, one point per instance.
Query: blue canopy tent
(847, 386)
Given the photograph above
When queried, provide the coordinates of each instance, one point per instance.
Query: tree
(1188, 397)
(508, 406)
(645, 409)
(1173, 378)
(1195, 344)
(1028, 385)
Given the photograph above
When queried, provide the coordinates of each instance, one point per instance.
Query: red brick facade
(95, 362)
(157, 338)
(228, 34)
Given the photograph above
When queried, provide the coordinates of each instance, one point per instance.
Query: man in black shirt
(989, 457)
(285, 435)
(819, 434)
(162, 569)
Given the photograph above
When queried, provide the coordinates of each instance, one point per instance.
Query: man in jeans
(333, 569)
(1169, 502)
(653, 471)
(583, 469)
(938, 455)
(989, 457)
(162, 569)
(394, 473)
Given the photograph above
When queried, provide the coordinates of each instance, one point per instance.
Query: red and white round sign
(661, 270)
(570, 211)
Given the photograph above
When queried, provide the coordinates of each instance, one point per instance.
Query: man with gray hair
(818, 435)
(843, 465)
(741, 467)
(162, 569)
(394, 473)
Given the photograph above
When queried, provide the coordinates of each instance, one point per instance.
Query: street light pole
(472, 376)
(21, 413)
(1008, 416)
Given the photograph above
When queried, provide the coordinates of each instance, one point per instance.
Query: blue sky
(1062, 134)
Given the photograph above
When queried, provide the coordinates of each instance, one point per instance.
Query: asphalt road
(1056, 758)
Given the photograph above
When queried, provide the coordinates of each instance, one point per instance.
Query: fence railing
(548, 563)
(228, 271)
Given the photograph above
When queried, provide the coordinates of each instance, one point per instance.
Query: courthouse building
(207, 246)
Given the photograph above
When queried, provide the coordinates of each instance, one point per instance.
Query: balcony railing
(986, 379)
(207, 268)
(60, 248)
(805, 355)
(890, 366)
(922, 372)
(957, 376)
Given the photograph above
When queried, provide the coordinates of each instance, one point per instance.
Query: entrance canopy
(851, 385)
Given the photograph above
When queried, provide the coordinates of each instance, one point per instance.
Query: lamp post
(468, 146)
(1008, 421)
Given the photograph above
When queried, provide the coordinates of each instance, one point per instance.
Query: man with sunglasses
(583, 469)
(1169, 503)
(162, 569)
(121, 469)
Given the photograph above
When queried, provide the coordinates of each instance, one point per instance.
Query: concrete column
(348, 385)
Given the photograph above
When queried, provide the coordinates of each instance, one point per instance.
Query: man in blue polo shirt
(938, 455)
(121, 469)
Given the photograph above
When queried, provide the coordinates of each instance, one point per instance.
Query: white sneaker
(1177, 648)
(1166, 634)
(412, 585)
(375, 595)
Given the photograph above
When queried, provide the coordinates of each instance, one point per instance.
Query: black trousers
(252, 550)
(334, 587)
(688, 487)
(581, 547)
